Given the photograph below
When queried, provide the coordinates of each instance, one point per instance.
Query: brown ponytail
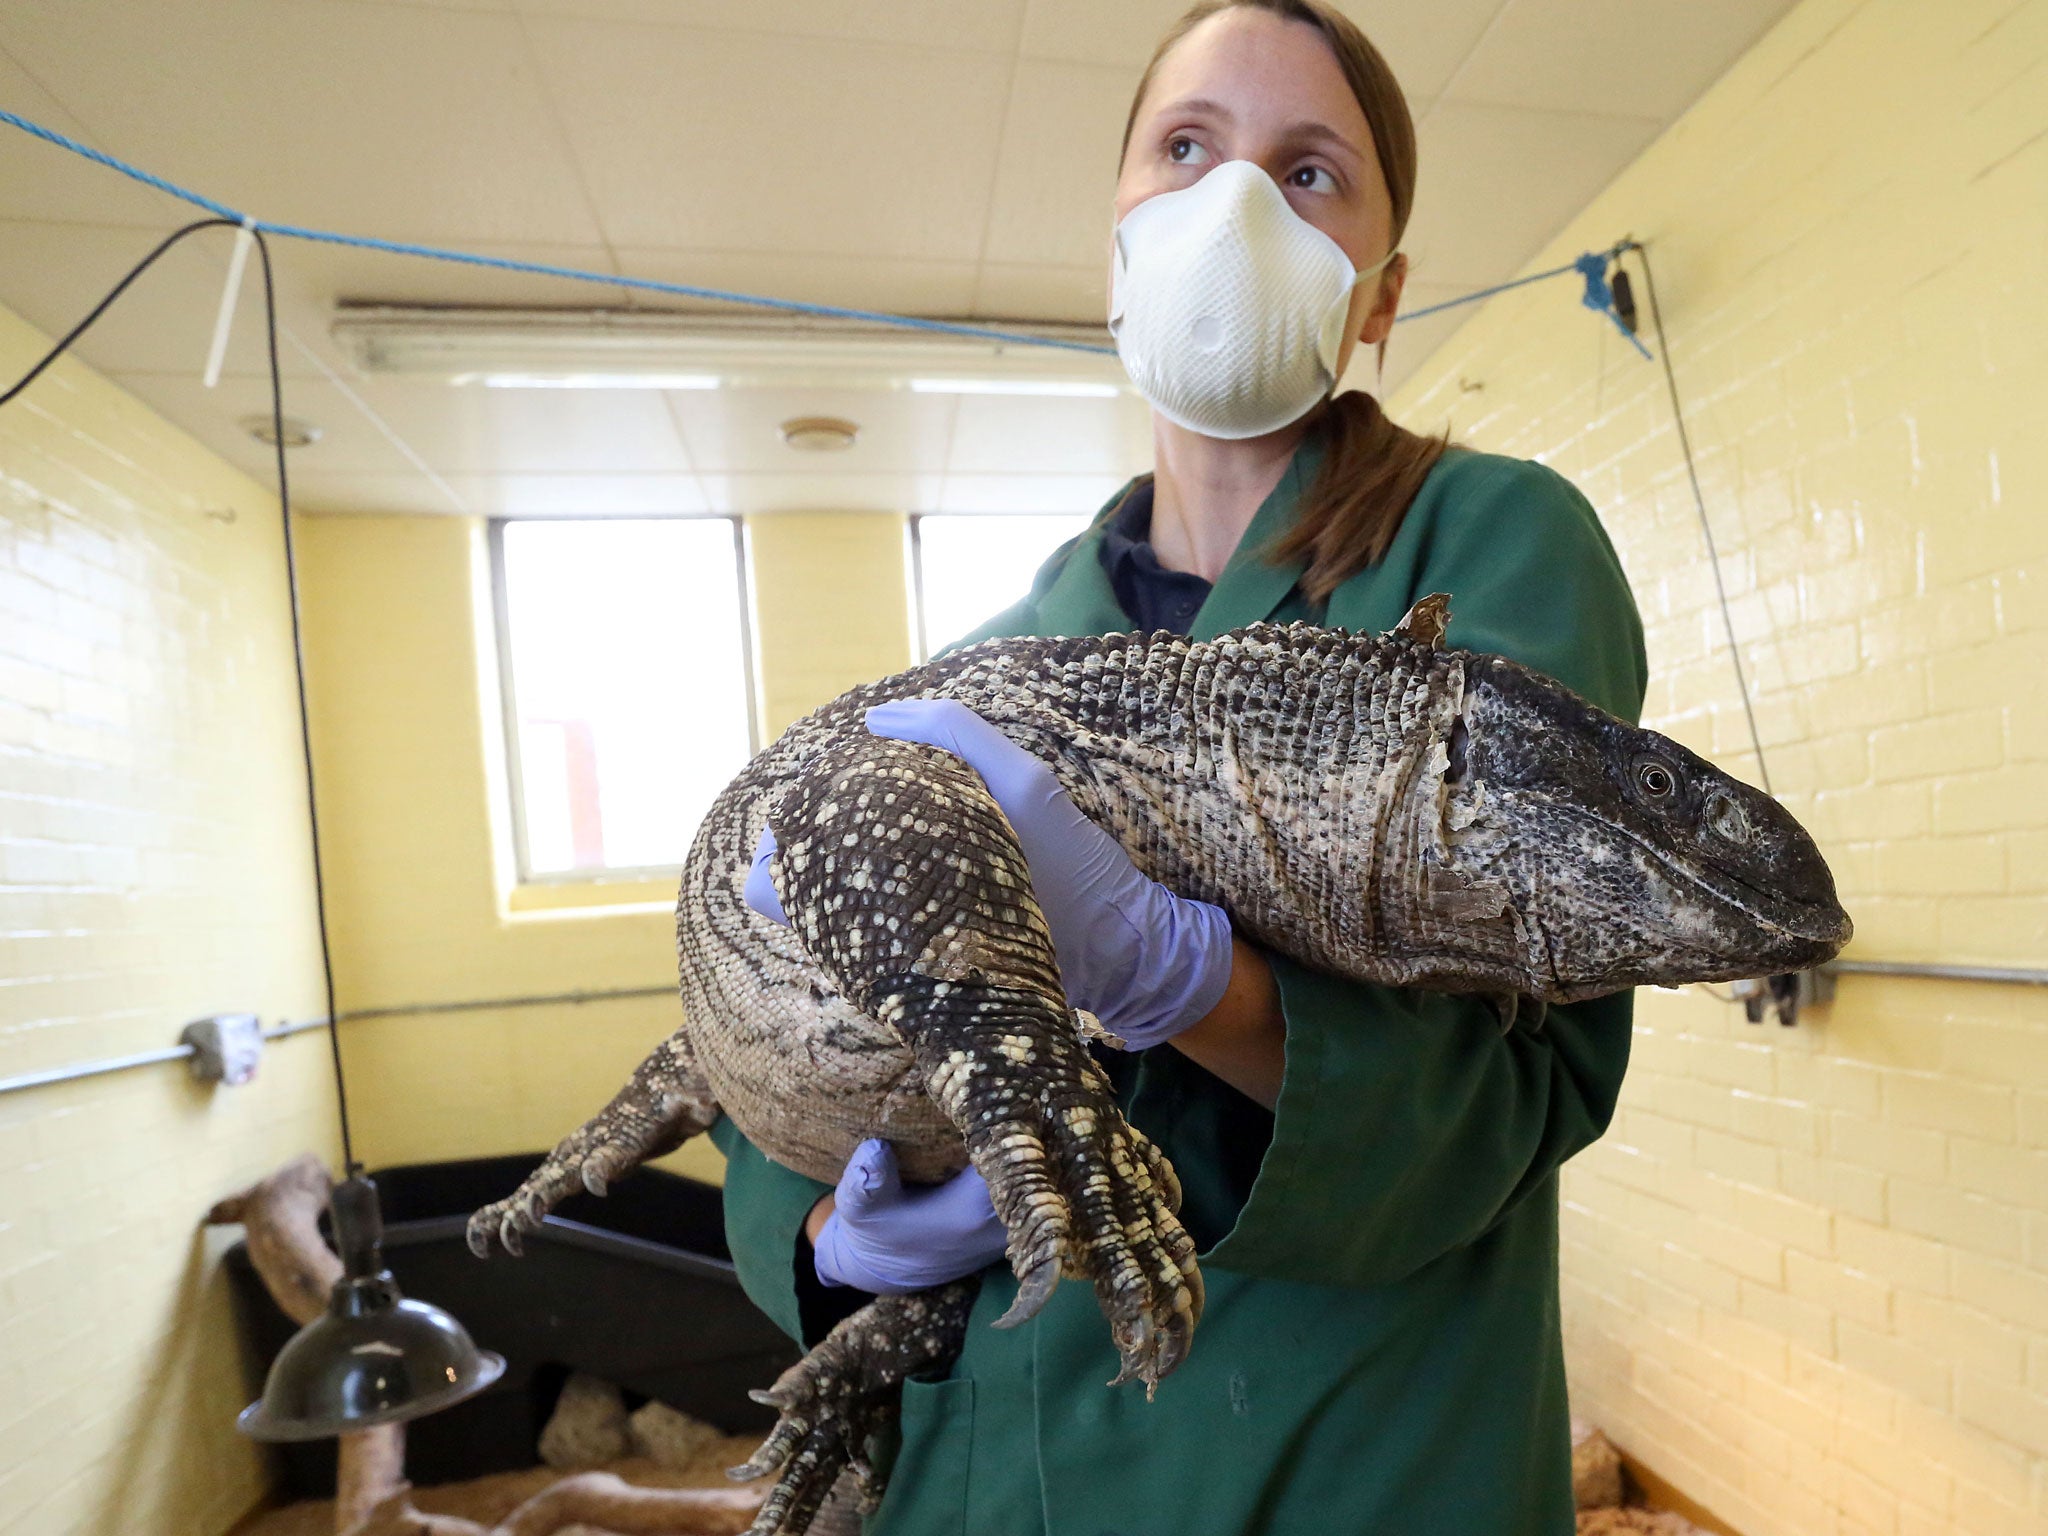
(1371, 472)
(1371, 467)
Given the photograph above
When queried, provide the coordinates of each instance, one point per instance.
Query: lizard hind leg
(904, 882)
(664, 1103)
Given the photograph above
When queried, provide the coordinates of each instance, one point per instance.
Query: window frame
(508, 706)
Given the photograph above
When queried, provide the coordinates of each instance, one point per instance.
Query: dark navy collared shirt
(1154, 597)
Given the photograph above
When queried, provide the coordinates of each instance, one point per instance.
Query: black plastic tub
(637, 1288)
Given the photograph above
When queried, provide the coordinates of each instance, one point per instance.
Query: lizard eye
(1657, 781)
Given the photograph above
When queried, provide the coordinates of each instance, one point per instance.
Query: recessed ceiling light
(297, 433)
(819, 434)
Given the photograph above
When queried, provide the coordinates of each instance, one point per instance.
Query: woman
(1370, 1173)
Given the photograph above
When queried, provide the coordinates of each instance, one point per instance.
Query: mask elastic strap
(1335, 341)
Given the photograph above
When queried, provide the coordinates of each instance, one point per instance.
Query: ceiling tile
(986, 25)
(738, 431)
(53, 274)
(472, 430)
(349, 441)
(1496, 182)
(1423, 44)
(1055, 184)
(40, 180)
(899, 285)
(1087, 32)
(1044, 293)
(1630, 58)
(408, 122)
(444, 5)
(675, 137)
(1008, 434)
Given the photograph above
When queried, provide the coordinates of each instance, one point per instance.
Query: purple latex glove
(1145, 962)
(760, 888)
(887, 1239)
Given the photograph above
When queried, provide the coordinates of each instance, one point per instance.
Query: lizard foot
(664, 1103)
(839, 1396)
(1082, 1192)
(505, 1223)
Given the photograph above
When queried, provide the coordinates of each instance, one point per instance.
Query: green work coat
(1380, 1350)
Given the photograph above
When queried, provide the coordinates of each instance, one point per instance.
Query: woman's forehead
(1252, 69)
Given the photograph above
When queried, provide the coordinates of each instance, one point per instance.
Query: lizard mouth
(1822, 924)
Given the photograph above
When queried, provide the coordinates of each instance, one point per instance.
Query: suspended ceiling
(933, 157)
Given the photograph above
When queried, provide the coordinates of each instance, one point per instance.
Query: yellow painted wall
(154, 868)
(1806, 1274)
(831, 607)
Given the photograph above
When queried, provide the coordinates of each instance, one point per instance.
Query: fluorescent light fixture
(589, 380)
(1066, 387)
(670, 349)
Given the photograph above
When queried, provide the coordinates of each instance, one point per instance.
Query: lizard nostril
(1726, 818)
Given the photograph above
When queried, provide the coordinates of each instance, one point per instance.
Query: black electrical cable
(291, 569)
(291, 573)
(1699, 502)
(106, 303)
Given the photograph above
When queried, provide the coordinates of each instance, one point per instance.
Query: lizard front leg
(837, 1398)
(664, 1103)
(905, 883)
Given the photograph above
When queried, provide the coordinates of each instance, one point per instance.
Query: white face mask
(1227, 306)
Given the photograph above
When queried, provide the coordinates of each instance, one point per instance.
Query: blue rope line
(1487, 293)
(64, 141)
(686, 290)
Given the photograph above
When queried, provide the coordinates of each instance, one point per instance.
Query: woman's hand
(875, 1235)
(1147, 963)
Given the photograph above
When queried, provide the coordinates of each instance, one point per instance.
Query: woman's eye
(1182, 150)
(1312, 178)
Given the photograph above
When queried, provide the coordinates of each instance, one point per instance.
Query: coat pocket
(928, 1484)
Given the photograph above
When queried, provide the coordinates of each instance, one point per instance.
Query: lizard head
(1606, 856)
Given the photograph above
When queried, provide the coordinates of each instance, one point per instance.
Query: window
(972, 565)
(624, 655)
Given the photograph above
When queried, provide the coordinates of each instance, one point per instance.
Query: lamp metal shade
(372, 1357)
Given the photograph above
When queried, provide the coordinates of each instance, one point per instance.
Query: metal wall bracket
(1784, 995)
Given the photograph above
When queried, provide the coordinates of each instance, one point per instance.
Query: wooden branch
(280, 1219)
(597, 1503)
(615, 1506)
